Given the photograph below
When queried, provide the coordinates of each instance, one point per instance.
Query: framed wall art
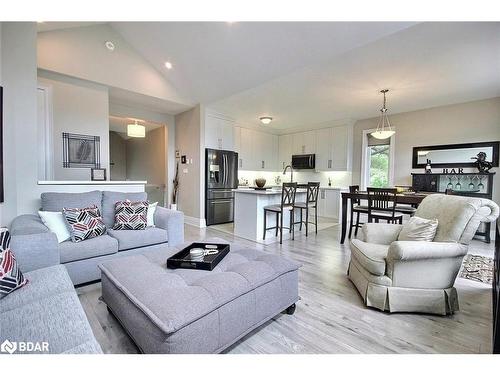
(81, 151)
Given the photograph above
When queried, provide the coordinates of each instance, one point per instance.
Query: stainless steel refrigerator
(221, 177)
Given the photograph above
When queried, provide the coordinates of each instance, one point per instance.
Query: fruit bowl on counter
(260, 183)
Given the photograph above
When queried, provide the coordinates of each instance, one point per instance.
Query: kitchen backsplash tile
(338, 179)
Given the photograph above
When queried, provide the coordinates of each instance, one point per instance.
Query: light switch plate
(185, 170)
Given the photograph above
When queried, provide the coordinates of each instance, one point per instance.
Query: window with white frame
(377, 165)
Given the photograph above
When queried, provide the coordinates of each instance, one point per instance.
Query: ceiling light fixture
(136, 131)
(384, 129)
(168, 65)
(266, 120)
(110, 45)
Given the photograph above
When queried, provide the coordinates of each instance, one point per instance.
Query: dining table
(410, 198)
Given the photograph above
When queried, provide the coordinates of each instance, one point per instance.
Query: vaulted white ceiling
(427, 65)
(213, 60)
(304, 74)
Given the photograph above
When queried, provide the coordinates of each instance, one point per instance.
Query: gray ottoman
(194, 311)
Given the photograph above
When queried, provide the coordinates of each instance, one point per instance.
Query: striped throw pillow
(84, 223)
(11, 277)
(131, 215)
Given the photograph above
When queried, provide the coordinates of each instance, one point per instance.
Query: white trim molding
(364, 159)
(194, 221)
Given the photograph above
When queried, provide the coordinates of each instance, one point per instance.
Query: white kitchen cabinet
(304, 143)
(324, 149)
(342, 144)
(285, 151)
(329, 203)
(245, 155)
(265, 151)
(219, 132)
(333, 148)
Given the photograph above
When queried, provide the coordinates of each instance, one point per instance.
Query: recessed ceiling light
(266, 120)
(110, 45)
(168, 65)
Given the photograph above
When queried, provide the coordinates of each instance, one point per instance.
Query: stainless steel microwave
(307, 161)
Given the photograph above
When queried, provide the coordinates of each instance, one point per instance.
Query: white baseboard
(195, 221)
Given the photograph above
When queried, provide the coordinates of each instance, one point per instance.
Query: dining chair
(288, 191)
(382, 205)
(356, 208)
(406, 209)
(310, 203)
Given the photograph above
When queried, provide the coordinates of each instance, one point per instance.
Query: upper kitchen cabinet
(257, 151)
(324, 149)
(342, 148)
(265, 151)
(219, 132)
(333, 148)
(304, 143)
(245, 152)
(285, 151)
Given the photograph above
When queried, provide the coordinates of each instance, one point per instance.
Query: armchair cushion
(418, 229)
(382, 234)
(369, 255)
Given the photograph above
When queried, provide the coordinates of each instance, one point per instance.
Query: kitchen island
(249, 213)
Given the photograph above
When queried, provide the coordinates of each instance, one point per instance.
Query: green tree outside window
(379, 166)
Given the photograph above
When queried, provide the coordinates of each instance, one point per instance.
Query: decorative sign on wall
(81, 151)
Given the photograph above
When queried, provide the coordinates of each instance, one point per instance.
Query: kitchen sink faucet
(291, 172)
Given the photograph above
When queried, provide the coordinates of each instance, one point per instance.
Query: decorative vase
(173, 206)
(260, 182)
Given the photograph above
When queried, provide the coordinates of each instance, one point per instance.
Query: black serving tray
(182, 258)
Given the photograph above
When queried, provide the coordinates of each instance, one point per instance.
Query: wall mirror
(457, 155)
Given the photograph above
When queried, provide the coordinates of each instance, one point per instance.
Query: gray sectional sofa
(32, 242)
(46, 311)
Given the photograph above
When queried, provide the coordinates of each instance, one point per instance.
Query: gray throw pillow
(418, 229)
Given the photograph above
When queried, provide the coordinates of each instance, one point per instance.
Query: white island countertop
(264, 192)
(277, 190)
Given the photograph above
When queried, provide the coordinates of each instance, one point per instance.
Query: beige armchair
(418, 276)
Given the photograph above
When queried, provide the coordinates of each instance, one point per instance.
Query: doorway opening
(139, 158)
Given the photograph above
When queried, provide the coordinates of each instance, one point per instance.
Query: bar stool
(288, 192)
(356, 208)
(311, 202)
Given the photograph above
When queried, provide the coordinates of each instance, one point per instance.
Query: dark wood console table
(477, 185)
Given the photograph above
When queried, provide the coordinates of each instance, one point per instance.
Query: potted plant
(173, 205)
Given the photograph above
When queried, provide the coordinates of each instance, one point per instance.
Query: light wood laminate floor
(331, 317)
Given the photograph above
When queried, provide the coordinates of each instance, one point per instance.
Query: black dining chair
(356, 208)
(406, 209)
(310, 203)
(382, 205)
(288, 192)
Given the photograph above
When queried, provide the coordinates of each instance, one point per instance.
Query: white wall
(189, 140)
(19, 79)
(80, 52)
(78, 107)
(477, 121)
